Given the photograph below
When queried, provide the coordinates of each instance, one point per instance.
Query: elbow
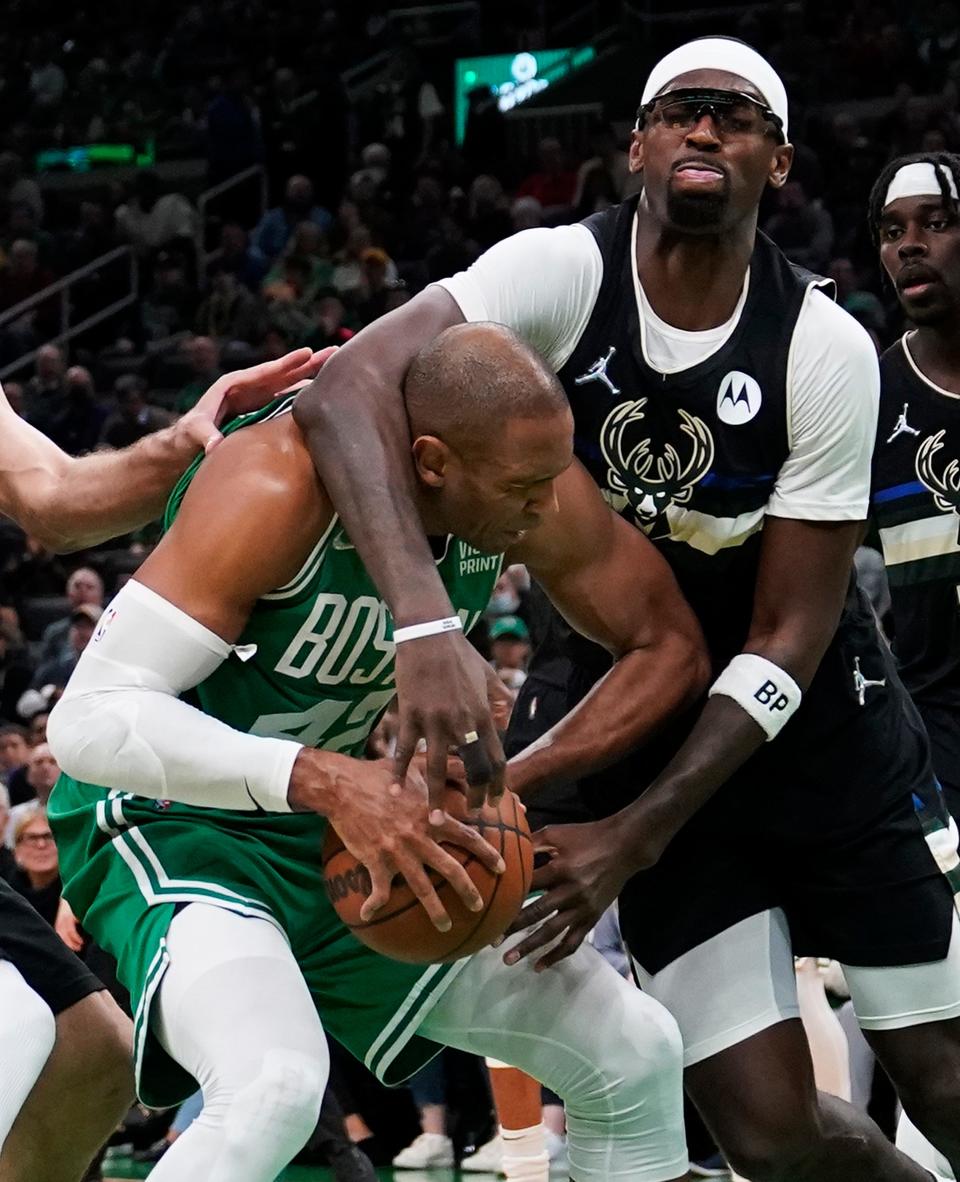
(695, 666)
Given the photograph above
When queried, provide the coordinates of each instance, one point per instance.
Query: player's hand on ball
(246, 390)
(387, 829)
(582, 878)
(442, 697)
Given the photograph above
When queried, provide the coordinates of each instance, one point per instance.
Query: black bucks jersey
(692, 458)
(916, 504)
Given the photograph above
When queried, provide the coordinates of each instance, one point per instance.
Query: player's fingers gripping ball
(401, 929)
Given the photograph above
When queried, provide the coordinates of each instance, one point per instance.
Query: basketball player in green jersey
(253, 636)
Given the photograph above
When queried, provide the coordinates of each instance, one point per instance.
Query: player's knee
(652, 1053)
(933, 1101)
(282, 1102)
(783, 1153)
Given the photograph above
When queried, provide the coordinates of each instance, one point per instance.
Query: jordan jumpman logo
(598, 372)
(902, 426)
(861, 684)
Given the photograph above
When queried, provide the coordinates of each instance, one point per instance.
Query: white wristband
(429, 628)
(767, 693)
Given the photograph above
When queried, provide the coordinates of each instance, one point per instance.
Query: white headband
(919, 180)
(720, 53)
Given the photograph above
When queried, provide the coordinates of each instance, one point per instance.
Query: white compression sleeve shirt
(121, 724)
(544, 283)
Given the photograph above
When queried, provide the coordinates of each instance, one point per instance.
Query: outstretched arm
(611, 585)
(70, 503)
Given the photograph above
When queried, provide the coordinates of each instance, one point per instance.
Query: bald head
(473, 378)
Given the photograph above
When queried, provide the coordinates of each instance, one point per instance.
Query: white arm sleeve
(541, 283)
(833, 397)
(121, 724)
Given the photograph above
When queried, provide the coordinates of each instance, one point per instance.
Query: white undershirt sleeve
(833, 397)
(541, 283)
(121, 724)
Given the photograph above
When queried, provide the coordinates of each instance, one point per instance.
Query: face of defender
(706, 164)
(920, 251)
(500, 487)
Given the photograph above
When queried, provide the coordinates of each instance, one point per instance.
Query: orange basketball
(402, 929)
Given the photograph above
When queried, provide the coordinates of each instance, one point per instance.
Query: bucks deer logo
(945, 484)
(651, 482)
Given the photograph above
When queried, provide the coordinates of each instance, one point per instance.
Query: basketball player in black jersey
(915, 219)
(728, 408)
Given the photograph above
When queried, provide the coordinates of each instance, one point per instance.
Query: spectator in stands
(203, 354)
(170, 304)
(328, 327)
(14, 751)
(453, 252)
(22, 278)
(553, 184)
(374, 173)
(526, 213)
(348, 275)
(239, 258)
(311, 254)
(230, 312)
(277, 225)
(77, 429)
(42, 773)
(488, 212)
(291, 125)
(151, 218)
(14, 392)
(233, 129)
(134, 417)
(17, 189)
(802, 229)
(47, 80)
(92, 237)
(37, 726)
(610, 158)
(509, 644)
(44, 393)
(83, 619)
(37, 877)
(942, 47)
(375, 290)
(83, 587)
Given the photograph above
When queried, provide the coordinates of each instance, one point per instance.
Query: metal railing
(204, 256)
(62, 288)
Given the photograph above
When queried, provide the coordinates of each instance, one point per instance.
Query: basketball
(402, 930)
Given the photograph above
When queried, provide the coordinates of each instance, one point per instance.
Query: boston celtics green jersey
(315, 662)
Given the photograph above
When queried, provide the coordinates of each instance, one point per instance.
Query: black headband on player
(733, 112)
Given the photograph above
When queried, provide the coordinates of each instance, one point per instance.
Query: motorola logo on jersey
(738, 398)
(653, 479)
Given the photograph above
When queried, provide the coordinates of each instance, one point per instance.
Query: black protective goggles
(732, 112)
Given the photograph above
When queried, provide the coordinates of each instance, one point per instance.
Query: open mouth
(698, 171)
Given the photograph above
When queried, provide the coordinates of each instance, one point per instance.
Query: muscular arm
(245, 526)
(541, 283)
(613, 586)
(796, 611)
(69, 503)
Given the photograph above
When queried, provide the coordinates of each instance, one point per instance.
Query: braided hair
(939, 160)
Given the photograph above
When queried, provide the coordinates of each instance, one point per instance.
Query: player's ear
(636, 150)
(780, 166)
(431, 458)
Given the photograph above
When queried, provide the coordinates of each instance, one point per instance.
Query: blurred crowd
(368, 201)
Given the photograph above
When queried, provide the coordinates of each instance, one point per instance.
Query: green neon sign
(514, 78)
